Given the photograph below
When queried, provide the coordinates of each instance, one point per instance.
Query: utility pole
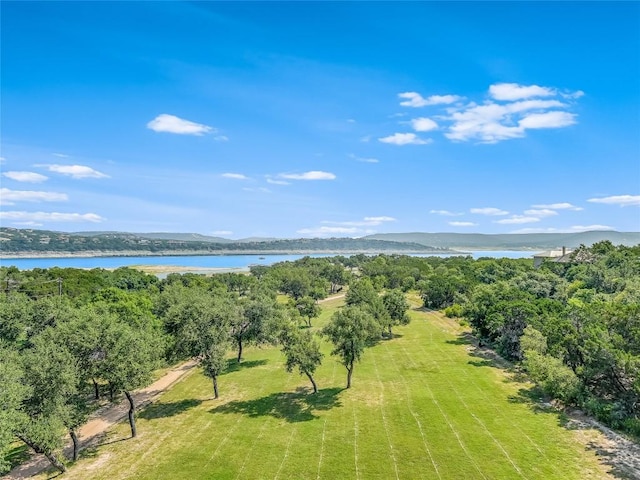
(59, 286)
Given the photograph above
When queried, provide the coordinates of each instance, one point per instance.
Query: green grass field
(422, 405)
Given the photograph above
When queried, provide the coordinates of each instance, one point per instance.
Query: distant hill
(522, 241)
(23, 242)
(183, 237)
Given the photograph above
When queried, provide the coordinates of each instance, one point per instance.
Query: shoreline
(193, 253)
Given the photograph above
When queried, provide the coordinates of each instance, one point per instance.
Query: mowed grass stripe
(421, 406)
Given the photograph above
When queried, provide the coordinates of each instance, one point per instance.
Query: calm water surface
(202, 261)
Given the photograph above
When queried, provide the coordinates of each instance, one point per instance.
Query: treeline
(14, 241)
(70, 337)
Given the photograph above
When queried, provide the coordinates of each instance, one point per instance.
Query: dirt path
(105, 418)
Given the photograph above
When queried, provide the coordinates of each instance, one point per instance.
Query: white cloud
(517, 220)
(492, 122)
(235, 176)
(513, 91)
(508, 112)
(540, 212)
(61, 155)
(423, 124)
(172, 124)
(414, 99)
(8, 197)
(404, 139)
(75, 171)
(277, 182)
(558, 206)
(325, 231)
(28, 177)
(312, 175)
(352, 228)
(361, 159)
(548, 120)
(221, 138)
(622, 200)
(366, 222)
(3, 159)
(222, 232)
(51, 217)
(463, 224)
(446, 213)
(365, 139)
(488, 211)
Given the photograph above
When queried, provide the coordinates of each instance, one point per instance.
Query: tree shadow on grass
(169, 409)
(464, 338)
(234, 366)
(298, 406)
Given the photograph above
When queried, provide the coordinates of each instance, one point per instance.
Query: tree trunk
(349, 372)
(132, 411)
(111, 392)
(215, 386)
(239, 350)
(76, 444)
(390, 332)
(96, 389)
(315, 387)
(309, 322)
(50, 455)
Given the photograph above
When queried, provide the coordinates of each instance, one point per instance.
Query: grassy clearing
(422, 406)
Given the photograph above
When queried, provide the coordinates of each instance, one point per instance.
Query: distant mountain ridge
(511, 241)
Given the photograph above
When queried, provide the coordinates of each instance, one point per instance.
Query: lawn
(422, 405)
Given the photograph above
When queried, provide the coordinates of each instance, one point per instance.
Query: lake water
(198, 261)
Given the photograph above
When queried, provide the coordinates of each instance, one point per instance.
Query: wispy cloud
(414, 99)
(9, 197)
(361, 159)
(517, 220)
(312, 175)
(540, 212)
(60, 155)
(488, 211)
(621, 200)
(40, 217)
(27, 177)
(172, 124)
(463, 224)
(326, 231)
(235, 176)
(446, 213)
(513, 91)
(277, 182)
(351, 228)
(222, 232)
(404, 139)
(423, 124)
(75, 171)
(558, 206)
(366, 222)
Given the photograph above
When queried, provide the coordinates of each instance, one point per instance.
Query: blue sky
(311, 119)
